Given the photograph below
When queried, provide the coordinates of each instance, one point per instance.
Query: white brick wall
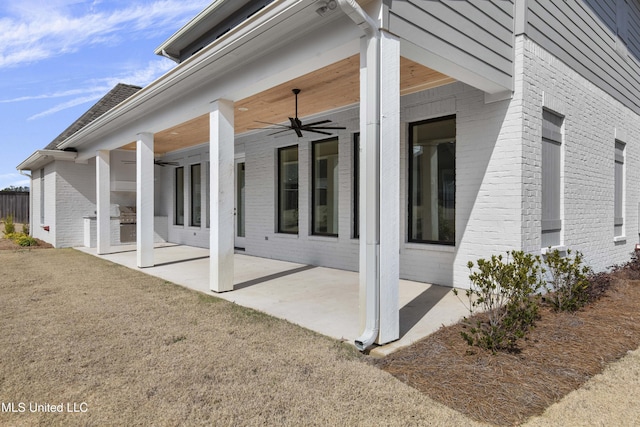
(592, 122)
(76, 195)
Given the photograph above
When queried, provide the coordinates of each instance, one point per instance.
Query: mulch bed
(558, 356)
(6, 244)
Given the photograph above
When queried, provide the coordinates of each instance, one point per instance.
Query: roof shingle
(114, 97)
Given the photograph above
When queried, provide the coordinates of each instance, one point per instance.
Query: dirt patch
(560, 354)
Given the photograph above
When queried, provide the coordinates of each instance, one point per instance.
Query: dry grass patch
(141, 351)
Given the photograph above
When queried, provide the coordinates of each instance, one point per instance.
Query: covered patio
(317, 298)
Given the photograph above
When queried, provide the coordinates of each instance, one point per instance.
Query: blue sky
(59, 57)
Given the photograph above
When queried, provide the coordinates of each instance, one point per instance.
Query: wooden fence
(15, 203)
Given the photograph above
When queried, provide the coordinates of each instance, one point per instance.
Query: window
(325, 188)
(196, 196)
(208, 193)
(432, 181)
(288, 190)
(551, 179)
(618, 197)
(356, 186)
(179, 193)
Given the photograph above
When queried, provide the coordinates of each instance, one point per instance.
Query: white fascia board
(40, 158)
(190, 26)
(148, 96)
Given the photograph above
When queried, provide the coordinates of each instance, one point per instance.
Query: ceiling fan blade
(307, 127)
(317, 123)
(317, 131)
(282, 131)
(272, 124)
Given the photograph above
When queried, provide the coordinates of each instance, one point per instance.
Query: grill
(127, 224)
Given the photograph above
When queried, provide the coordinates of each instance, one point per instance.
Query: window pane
(196, 199)
(618, 196)
(208, 193)
(356, 186)
(179, 193)
(240, 199)
(432, 188)
(288, 190)
(325, 187)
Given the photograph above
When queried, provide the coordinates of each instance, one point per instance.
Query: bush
(9, 226)
(506, 291)
(567, 281)
(25, 229)
(22, 239)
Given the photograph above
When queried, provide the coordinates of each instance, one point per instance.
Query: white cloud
(30, 34)
(96, 89)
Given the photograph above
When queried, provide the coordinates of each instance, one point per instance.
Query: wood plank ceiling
(329, 88)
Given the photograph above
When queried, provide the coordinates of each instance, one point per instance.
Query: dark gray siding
(476, 34)
(585, 35)
(633, 29)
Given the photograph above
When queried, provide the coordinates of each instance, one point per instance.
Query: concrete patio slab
(322, 299)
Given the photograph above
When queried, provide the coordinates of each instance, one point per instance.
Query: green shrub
(9, 226)
(567, 281)
(506, 291)
(22, 239)
(25, 229)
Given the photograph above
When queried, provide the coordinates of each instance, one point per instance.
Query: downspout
(372, 304)
(21, 172)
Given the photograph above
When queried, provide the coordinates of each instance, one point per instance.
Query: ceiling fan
(297, 125)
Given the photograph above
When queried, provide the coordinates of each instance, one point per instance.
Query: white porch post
(389, 187)
(144, 199)
(379, 186)
(103, 202)
(221, 153)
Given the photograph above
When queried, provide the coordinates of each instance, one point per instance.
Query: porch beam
(144, 199)
(103, 202)
(221, 153)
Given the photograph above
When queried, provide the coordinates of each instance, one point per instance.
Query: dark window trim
(313, 185)
(410, 180)
(192, 194)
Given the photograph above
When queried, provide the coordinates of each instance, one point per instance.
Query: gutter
(166, 55)
(372, 251)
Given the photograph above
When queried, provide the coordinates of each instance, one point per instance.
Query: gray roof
(114, 97)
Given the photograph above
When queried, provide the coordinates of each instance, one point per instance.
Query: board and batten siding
(587, 36)
(476, 35)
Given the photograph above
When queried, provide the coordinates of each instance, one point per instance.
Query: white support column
(379, 187)
(389, 187)
(221, 197)
(144, 199)
(103, 202)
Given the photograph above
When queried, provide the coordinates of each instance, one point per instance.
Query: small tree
(506, 291)
(9, 226)
(567, 281)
